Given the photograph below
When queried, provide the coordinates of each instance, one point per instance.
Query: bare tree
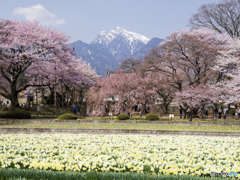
(130, 65)
(223, 17)
(164, 74)
(184, 61)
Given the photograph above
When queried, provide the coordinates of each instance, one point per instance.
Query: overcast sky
(84, 19)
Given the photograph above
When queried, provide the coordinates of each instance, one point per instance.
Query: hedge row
(15, 114)
(34, 174)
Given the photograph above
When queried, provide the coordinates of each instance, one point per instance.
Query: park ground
(120, 156)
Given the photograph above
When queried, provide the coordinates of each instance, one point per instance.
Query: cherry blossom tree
(198, 97)
(131, 89)
(96, 100)
(228, 62)
(162, 86)
(79, 76)
(34, 56)
(186, 60)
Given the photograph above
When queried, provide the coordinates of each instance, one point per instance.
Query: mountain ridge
(107, 51)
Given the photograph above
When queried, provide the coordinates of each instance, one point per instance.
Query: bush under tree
(68, 116)
(152, 116)
(123, 116)
(232, 112)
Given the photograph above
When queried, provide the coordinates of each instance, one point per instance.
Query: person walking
(126, 112)
(7, 103)
(74, 109)
(180, 111)
(224, 113)
(118, 111)
(200, 113)
(215, 112)
(219, 113)
(78, 110)
(227, 111)
(206, 113)
(236, 113)
(148, 109)
(135, 107)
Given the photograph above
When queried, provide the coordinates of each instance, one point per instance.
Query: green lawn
(127, 126)
(167, 119)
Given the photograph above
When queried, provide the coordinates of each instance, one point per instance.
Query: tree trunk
(73, 96)
(185, 113)
(190, 116)
(166, 105)
(69, 94)
(43, 96)
(36, 96)
(166, 108)
(192, 113)
(14, 98)
(67, 97)
(55, 97)
(62, 97)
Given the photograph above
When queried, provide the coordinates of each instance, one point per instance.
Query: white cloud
(40, 14)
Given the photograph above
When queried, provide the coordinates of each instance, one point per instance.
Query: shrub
(68, 116)
(16, 114)
(5, 109)
(232, 112)
(152, 116)
(123, 116)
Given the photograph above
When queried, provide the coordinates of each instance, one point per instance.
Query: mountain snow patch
(131, 38)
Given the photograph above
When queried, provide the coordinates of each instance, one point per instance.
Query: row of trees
(182, 67)
(195, 66)
(32, 56)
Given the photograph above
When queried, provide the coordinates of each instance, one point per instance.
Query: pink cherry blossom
(34, 56)
(130, 88)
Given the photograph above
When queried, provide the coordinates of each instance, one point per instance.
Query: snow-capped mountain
(107, 51)
(119, 39)
(154, 42)
(97, 55)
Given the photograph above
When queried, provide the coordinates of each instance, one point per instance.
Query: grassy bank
(128, 126)
(33, 174)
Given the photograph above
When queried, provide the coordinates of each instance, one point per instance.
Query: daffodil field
(178, 155)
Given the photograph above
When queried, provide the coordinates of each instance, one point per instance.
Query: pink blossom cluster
(129, 88)
(32, 55)
(228, 63)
